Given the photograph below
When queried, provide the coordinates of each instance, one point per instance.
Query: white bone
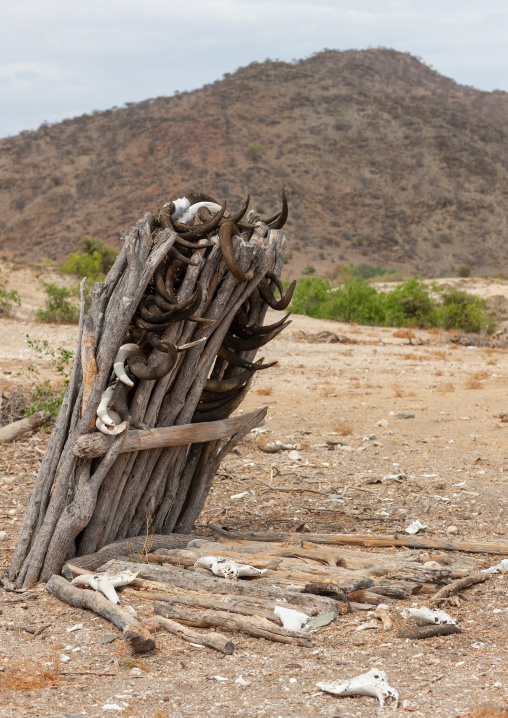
(106, 582)
(373, 683)
(227, 568)
(181, 205)
(416, 526)
(292, 620)
(434, 617)
(190, 213)
(118, 425)
(125, 351)
(105, 402)
(503, 566)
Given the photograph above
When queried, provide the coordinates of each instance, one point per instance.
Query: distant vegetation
(8, 300)
(412, 303)
(93, 261)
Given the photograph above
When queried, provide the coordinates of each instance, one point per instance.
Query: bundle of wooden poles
(167, 347)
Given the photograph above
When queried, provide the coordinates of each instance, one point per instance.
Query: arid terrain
(383, 159)
(390, 404)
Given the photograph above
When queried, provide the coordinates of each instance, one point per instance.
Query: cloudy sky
(61, 58)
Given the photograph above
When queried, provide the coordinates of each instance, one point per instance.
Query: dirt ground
(453, 452)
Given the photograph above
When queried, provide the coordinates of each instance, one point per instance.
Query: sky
(62, 58)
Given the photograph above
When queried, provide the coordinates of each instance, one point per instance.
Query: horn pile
(170, 341)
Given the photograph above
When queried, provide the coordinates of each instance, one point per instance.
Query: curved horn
(138, 365)
(160, 284)
(125, 351)
(121, 408)
(195, 197)
(228, 252)
(118, 427)
(256, 342)
(269, 298)
(203, 229)
(239, 215)
(281, 220)
(255, 306)
(225, 410)
(245, 333)
(175, 254)
(232, 358)
(102, 409)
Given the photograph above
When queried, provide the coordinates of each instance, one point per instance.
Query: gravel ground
(454, 455)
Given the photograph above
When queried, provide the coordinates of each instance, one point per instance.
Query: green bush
(58, 309)
(84, 265)
(7, 300)
(108, 254)
(463, 311)
(355, 301)
(463, 270)
(46, 397)
(310, 295)
(410, 304)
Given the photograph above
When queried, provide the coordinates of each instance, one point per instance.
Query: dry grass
(403, 334)
(264, 392)
(439, 354)
(474, 381)
(25, 674)
(433, 330)
(489, 712)
(446, 388)
(343, 428)
(398, 393)
(142, 556)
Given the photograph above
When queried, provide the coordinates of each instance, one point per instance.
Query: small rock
(414, 527)
(402, 415)
(243, 495)
(382, 422)
(377, 443)
(108, 638)
(3, 535)
(294, 455)
(452, 530)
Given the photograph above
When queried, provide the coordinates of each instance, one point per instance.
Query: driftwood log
(169, 287)
(132, 632)
(18, 428)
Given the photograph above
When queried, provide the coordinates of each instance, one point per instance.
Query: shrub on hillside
(8, 300)
(463, 311)
(410, 304)
(58, 309)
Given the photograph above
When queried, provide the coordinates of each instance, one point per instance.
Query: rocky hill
(384, 161)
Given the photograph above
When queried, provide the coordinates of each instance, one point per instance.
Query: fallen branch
(17, 428)
(201, 582)
(418, 632)
(137, 637)
(92, 445)
(214, 640)
(265, 610)
(34, 630)
(252, 626)
(367, 540)
(456, 586)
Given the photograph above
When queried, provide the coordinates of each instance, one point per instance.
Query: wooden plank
(17, 428)
(367, 540)
(90, 446)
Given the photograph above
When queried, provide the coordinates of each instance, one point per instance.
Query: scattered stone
(452, 530)
(402, 415)
(107, 638)
(3, 535)
(382, 422)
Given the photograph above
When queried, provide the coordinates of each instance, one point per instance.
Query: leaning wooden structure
(166, 348)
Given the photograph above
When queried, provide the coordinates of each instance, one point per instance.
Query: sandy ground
(454, 454)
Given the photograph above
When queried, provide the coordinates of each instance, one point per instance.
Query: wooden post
(94, 489)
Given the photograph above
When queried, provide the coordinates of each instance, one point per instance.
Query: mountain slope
(384, 161)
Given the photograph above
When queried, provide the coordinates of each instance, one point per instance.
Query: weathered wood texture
(91, 491)
(132, 632)
(369, 540)
(18, 428)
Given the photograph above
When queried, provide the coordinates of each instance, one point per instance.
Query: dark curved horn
(255, 306)
(164, 215)
(160, 284)
(217, 403)
(175, 254)
(281, 220)
(140, 368)
(245, 333)
(121, 408)
(232, 358)
(202, 230)
(280, 304)
(236, 382)
(239, 215)
(228, 252)
(209, 396)
(244, 345)
(149, 326)
(192, 245)
(195, 197)
(224, 411)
